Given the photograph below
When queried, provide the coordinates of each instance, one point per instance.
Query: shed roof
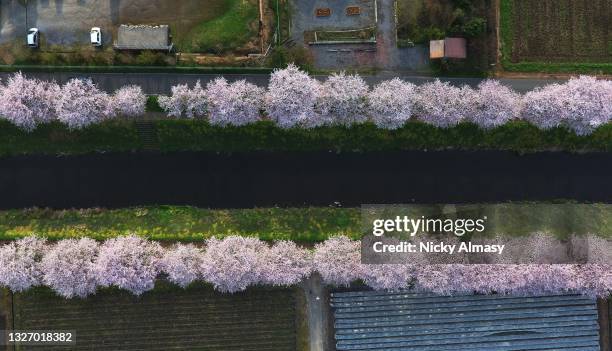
(455, 48)
(143, 37)
(374, 320)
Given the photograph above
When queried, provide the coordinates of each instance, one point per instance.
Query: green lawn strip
(231, 30)
(506, 16)
(186, 224)
(199, 135)
(314, 224)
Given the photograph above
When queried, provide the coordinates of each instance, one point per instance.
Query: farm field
(562, 35)
(196, 318)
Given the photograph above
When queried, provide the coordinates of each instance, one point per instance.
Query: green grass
(166, 318)
(231, 30)
(315, 224)
(507, 39)
(199, 135)
(169, 223)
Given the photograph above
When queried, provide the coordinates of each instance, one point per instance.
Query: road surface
(160, 83)
(261, 179)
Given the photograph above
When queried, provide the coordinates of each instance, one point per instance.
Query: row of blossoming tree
(77, 267)
(294, 99)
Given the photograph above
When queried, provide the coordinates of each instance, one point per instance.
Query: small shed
(448, 48)
(436, 49)
(455, 48)
(143, 37)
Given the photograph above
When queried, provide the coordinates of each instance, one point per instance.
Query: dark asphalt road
(306, 179)
(160, 83)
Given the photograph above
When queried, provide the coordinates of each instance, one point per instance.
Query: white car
(96, 36)
(33, 37)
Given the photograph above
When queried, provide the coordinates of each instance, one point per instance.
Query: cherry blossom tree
(443, 105)
(182, 264)
(587, 103)
(286, 264)
(20, 263)
(338, 261)
(129, 262)
(342, 99)
(68, 267)
(388, 276)
(234, 263)
(190, 103)
(27, 102)
(543, 107)
(391, 103)
(291, 98)
(236, 103)
(129, 101)
(80, 103)
(494, 104)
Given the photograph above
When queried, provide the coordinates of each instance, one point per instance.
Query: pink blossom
(20, 263)
(494, 105)
(342, 100)
(129, 262)
(68, 267)
(443, 105)
(80, 103)
(190, 103)
(129, 101)
(235, 104)
(291, 98)
(338, 260)
(234, 263)
(27, 102)
(391, 103)
(182, 264)
(286, 264)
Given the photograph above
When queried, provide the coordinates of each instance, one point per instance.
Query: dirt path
(318, 313)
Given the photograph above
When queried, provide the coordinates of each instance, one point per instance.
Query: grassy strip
(55, 138)
(136, 69)
(188, 224)
(168, 223)
(231, 30)
(198, 135)
(506, 15)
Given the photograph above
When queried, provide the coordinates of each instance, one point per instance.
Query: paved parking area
(66, 23)
(304, 16)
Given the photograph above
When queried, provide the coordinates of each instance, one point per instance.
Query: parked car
(96, 36)
(33, 36)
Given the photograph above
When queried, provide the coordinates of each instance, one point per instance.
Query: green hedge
(199, 135)
(55, 138)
